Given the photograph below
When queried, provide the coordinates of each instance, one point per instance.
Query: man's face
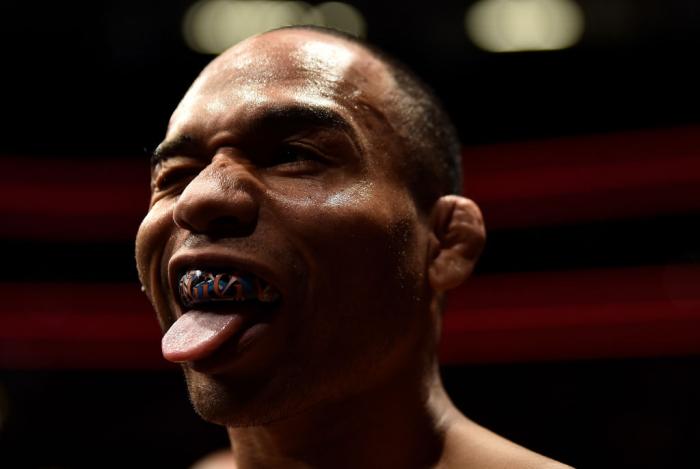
(279, 164)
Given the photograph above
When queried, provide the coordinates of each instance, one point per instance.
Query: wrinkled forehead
(302, 66)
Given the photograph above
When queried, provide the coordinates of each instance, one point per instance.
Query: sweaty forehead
(299, 66)
(289, 54)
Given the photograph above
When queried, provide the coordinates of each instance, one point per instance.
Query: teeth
(198, 286)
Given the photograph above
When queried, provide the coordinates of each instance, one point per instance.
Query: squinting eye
(293, 154)
(173, 177)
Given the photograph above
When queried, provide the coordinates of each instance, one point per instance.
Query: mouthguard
(197, 286)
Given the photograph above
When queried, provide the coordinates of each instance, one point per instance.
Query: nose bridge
(222, 200)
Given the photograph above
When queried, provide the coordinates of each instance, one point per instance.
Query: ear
(459, 233)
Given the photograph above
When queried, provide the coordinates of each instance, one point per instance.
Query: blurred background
(579, 335)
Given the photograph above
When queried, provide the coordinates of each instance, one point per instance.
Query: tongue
(196, 334)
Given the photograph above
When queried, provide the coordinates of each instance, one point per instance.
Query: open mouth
(197, 287)
(219, 308)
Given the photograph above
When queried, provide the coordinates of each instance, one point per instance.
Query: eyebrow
(301, 115)
(168, 148)
(292, 117)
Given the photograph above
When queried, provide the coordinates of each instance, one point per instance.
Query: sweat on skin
(279, 166)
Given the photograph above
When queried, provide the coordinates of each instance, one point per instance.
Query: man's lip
(217, 261)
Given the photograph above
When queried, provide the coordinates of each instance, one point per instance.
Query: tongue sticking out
(197, 334)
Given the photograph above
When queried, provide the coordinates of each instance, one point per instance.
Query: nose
(222, 201)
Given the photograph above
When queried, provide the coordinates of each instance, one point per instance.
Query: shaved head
(427, 153)
(430, 158)
(301, 236)
(288, 146)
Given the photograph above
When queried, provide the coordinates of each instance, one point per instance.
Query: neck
(399, 424)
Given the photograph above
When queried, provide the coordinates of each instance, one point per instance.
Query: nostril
(224, 223)
(222, 227)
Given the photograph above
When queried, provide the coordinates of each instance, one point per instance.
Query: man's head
(303, 160)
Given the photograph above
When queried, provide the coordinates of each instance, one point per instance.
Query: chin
(300, 381)
(246, 402)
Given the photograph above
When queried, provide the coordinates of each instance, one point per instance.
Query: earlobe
(458, 228)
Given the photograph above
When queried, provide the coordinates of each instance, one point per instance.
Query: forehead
(287, 67)
(289, 54)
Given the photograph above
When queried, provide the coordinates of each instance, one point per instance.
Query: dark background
(99, 79)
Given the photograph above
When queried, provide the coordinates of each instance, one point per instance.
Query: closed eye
(171, 178)
(296, 157)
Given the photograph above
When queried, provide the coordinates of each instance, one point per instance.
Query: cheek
(362, 246)
(375, 261)
(151, 240)
(366, 285)
(375, 227)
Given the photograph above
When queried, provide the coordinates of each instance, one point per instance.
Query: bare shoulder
(470, 445)
(222, 459)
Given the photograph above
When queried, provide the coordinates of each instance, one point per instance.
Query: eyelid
(309, 148)
(309, 157)
(177, 171)
(306, 149)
